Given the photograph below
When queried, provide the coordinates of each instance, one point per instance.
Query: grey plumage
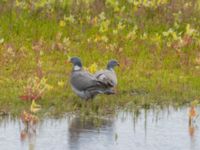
(108, 76)
(84, 84)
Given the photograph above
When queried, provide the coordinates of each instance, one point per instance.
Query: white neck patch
(77, 68)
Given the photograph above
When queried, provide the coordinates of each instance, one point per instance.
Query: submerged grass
(156, 44)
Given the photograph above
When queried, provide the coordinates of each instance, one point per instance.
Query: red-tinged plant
(34, 89)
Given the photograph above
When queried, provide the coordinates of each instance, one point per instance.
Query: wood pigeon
(108, 76)
(84, 84)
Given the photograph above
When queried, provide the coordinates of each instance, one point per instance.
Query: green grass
(151, 73)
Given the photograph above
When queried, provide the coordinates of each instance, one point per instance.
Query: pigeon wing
(82, 80)
(108, 77)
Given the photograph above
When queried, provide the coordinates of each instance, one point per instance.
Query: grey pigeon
(84, 84)
(108, 76)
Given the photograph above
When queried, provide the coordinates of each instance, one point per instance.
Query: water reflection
(164, 129)
(192, 117)
(192, 130)
(28, 135)
(28, 126)
(93, 128)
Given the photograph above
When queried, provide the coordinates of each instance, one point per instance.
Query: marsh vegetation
(156, 43)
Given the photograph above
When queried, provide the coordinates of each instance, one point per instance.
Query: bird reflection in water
(89, 127)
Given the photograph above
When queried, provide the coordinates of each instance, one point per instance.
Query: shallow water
(156, 129)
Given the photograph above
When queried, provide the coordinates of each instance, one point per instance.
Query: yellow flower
(131, 35)
(104, 39)
(174, 35)
(49, 87)
(17, 3)
(71, 18)
(62, 23)
(190, 31)
(115, 32)
(35, 107)
(120, 26)
(144, 36)
(1, 40)
(61, 83)
(104, 26)
(165, 33)
(93, 68)
(97, 38)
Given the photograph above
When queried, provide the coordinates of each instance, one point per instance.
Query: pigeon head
(112, 64)
(76, 62)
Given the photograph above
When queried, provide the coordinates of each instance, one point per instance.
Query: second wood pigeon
(108, 76)
(84, 84)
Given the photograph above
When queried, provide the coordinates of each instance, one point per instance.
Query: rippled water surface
(153, 130)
